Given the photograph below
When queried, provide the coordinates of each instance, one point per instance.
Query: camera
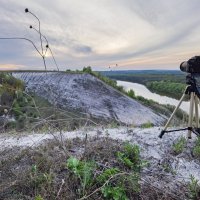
(191, 66)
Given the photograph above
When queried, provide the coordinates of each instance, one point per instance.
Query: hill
(89, 95)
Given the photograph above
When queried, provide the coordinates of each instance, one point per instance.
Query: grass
(106, 169)
(194, 188)
(179, 145)
(147, 125)
(196, 149)
(44, 172)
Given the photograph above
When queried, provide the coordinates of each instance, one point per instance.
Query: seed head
(26, 10)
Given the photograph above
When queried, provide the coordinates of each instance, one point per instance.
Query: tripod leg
(191, 114)
(196, 111)
(172, 115)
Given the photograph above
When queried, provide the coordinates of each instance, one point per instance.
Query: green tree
(87, 69)
(131, 93)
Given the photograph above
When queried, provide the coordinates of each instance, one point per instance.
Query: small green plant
(83, 170)
(115, 193)
(179, 146)
(147, 125)
(168, 168)
(38, 197)
(194, 188)
(39, 179)
(102, 178)
(196, 149)
(130, 157)
(115, 183)
(113, 124)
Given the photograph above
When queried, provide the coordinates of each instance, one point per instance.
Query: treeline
(168, 88)
(144, 78)
(170, 84)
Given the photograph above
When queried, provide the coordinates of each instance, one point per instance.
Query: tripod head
(193, 81)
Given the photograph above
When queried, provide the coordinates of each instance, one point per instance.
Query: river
(141, 90)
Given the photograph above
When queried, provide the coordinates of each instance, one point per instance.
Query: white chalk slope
(88, 94)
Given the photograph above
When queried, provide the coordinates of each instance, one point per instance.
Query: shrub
(87, 70)
(131, 93)
(130, 156)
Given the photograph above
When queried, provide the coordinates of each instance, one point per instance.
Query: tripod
(193, 92)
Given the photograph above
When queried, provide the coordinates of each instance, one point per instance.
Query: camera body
(191, 66)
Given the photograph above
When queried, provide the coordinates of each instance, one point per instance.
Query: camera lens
(184, 66)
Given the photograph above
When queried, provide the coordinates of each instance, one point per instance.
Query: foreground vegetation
(95, 168)
(98, 168)
(112, 171)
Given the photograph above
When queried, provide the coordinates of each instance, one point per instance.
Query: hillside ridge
(88, 94)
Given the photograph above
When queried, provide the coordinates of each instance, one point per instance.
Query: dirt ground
(167, 175)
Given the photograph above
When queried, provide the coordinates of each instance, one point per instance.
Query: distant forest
(165, 82)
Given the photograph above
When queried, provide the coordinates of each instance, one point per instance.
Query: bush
(87, 70)
(131, 93)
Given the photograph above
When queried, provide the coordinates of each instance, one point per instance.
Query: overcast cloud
(135, 34)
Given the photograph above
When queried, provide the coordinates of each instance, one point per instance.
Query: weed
(168, 168)
(39, 180)
(179, 146)
(130, 157)
(38, 197)
(194, 188)
(147, 125)
(196, 149)
(102, 178)
(83, 170)
(113, 124)
(116, 193)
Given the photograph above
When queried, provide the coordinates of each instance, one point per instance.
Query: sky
(103, 34)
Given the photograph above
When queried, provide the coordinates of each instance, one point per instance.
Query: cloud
(100, 33)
